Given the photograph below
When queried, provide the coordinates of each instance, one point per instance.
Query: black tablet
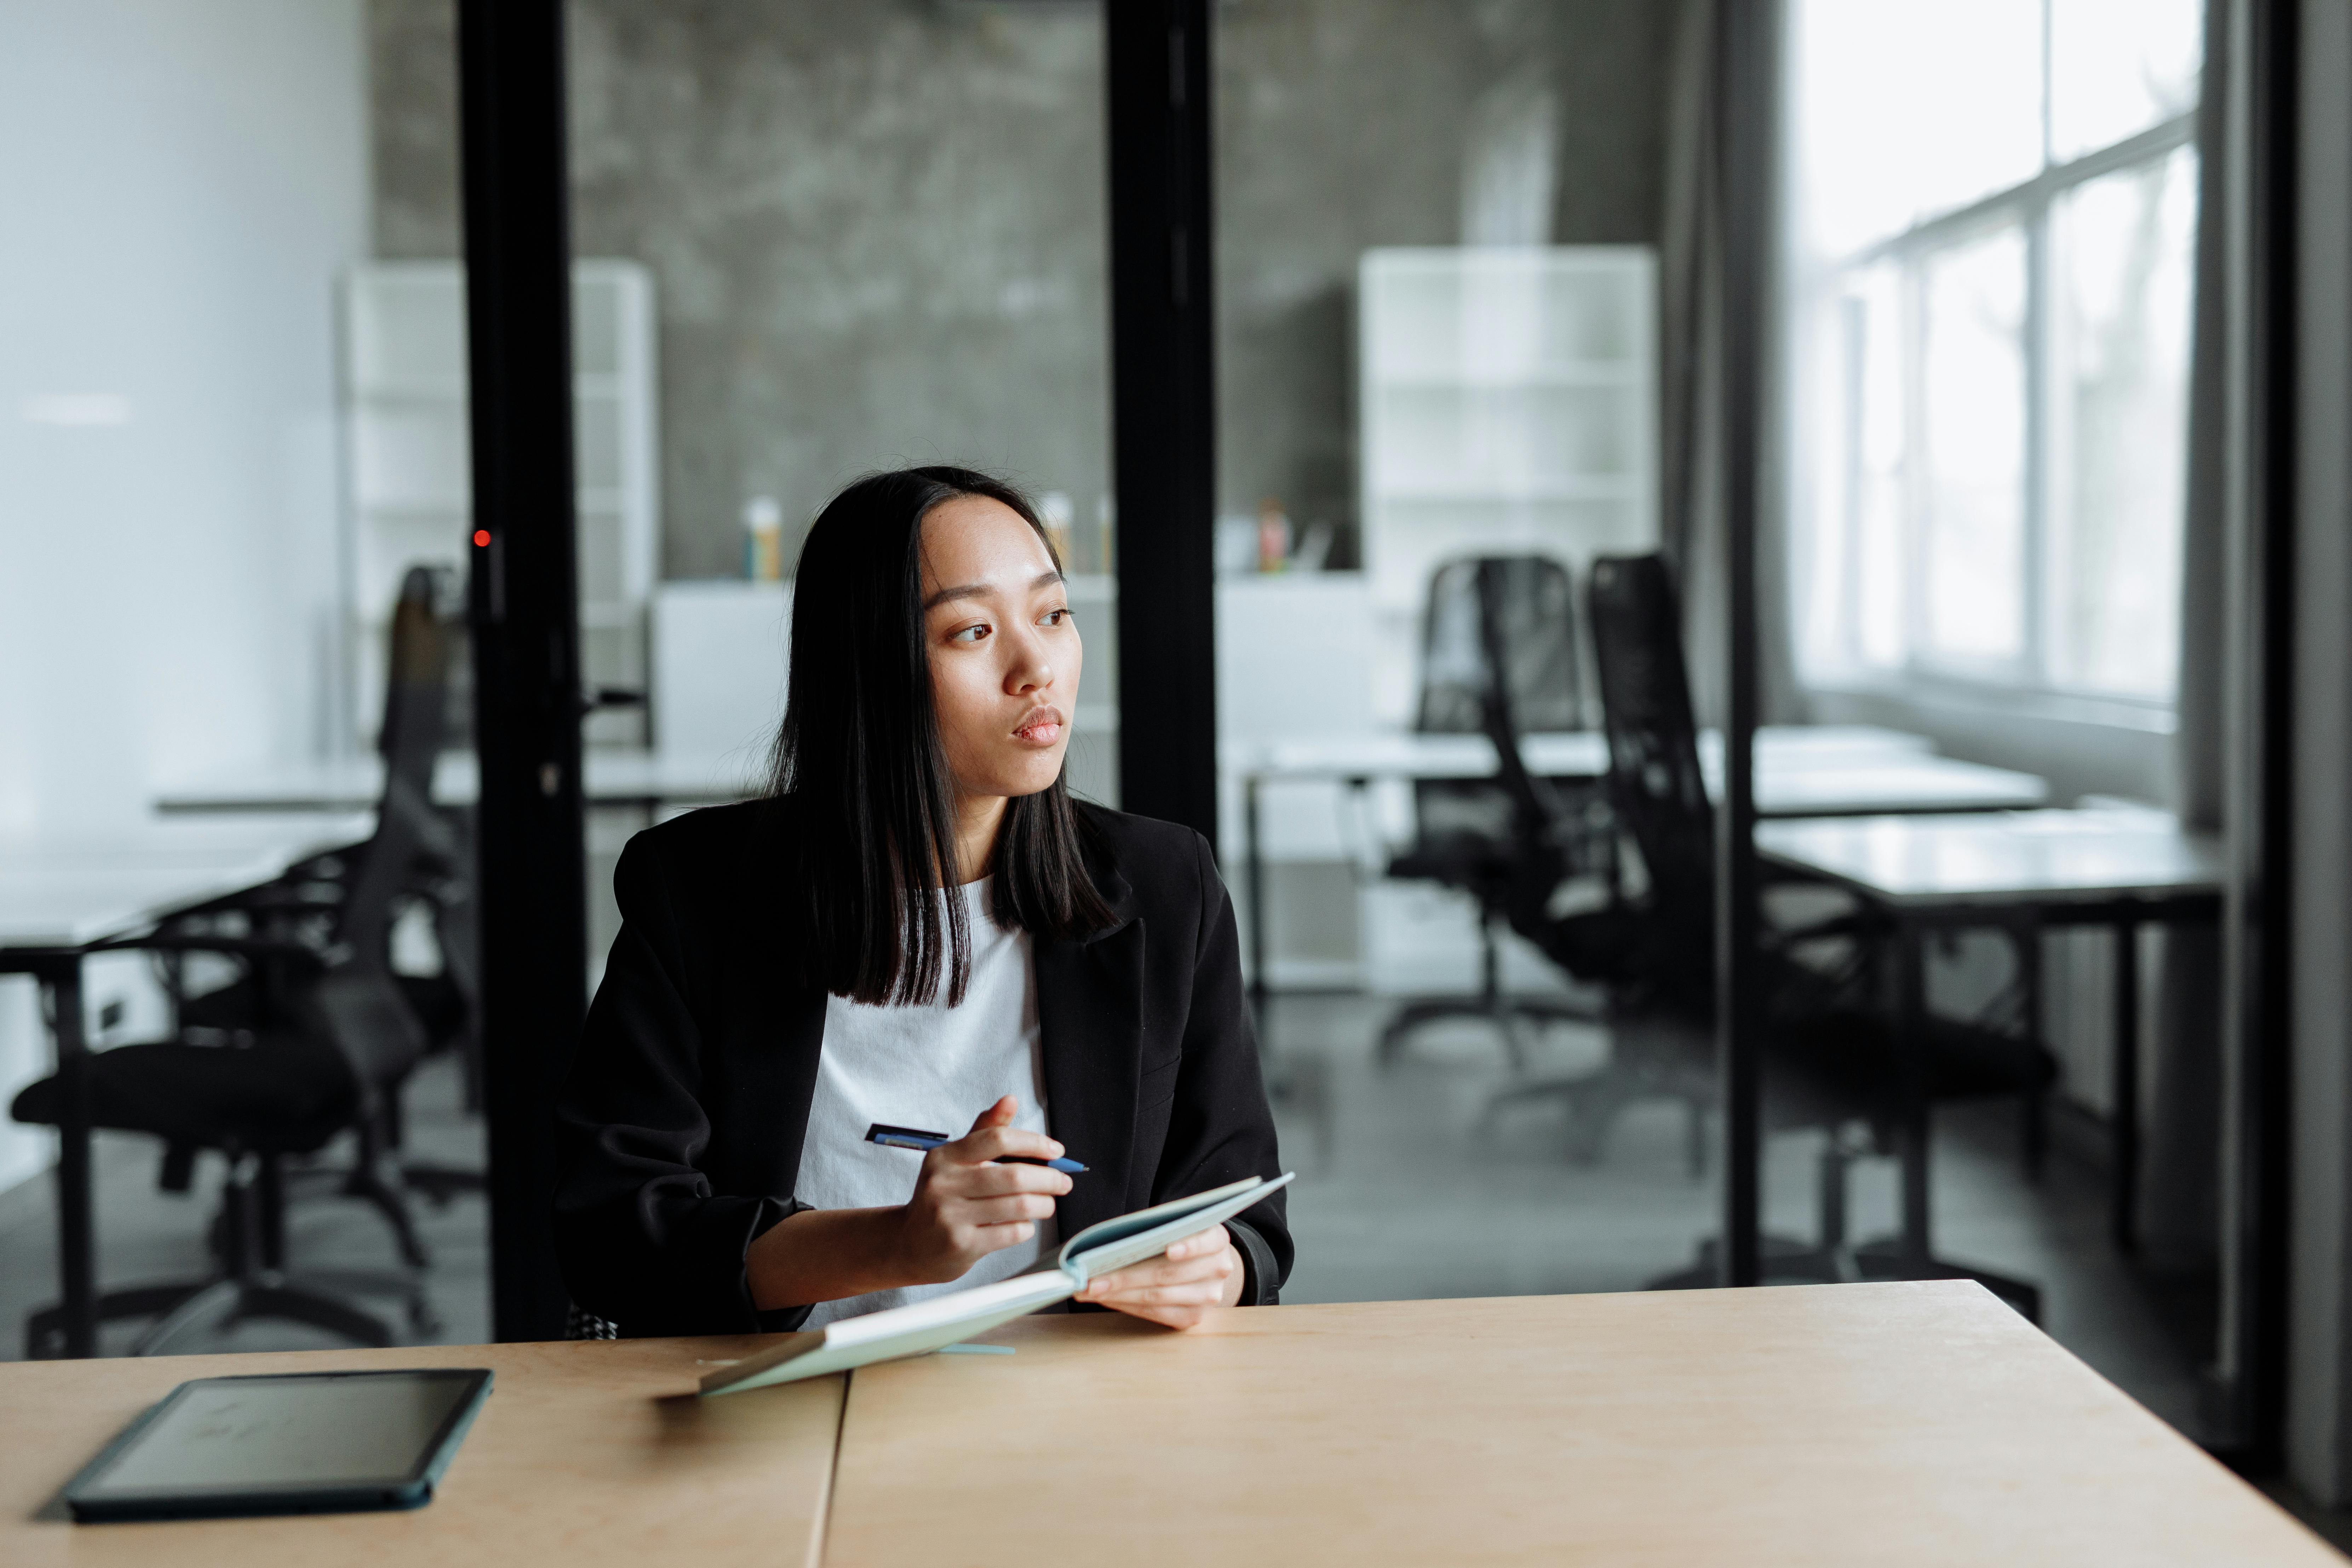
(304, 1442)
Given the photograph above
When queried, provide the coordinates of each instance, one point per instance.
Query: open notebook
(927, 1325)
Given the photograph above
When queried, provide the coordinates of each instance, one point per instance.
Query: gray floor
(1411, 1198)
(1402, 1193)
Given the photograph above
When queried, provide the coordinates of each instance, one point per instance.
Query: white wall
(180, 183)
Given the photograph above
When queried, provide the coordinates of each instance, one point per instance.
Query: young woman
(917, 927)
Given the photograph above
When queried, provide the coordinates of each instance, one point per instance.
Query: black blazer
(681, 1123)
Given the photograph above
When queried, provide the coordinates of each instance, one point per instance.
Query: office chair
(300, 907)
(335, 1030)
(312, 1041)
(1512, 619)
(1832, 1061)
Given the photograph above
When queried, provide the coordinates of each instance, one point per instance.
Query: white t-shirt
(933, 1068)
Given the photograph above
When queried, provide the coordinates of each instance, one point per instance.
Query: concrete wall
(1344, 124)
(184, 180)
(877, 228)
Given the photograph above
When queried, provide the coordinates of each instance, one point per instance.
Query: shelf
(1595, 373)
(1597, 487)
(443, 392)
(443, 510)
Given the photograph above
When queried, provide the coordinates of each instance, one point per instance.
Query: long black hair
(860, 754)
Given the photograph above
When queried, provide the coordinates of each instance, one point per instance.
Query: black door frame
(523, 610)
(1747, 40)
(1155, 58)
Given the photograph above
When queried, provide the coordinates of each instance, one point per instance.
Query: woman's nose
(1028, 670)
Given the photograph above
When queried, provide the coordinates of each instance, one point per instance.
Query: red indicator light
(482, 536)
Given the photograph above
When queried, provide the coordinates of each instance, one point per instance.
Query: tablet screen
(265, 1433)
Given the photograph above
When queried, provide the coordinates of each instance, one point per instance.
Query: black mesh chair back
(358, 998)
(1655, 786)
(1515, 615)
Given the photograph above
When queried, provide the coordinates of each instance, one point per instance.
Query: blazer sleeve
(639, 1234)
(1220, 1128)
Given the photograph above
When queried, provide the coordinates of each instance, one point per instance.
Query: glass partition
(1438, 294)
(217, 475)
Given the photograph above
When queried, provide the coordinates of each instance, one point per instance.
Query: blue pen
(912, 1137)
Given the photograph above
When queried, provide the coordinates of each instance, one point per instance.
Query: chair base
(248, 1237)
(439, 1183)
(1595, 1099)
(185, 1308)
(1505, 1012)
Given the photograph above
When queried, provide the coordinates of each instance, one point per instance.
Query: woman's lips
(1041, 728)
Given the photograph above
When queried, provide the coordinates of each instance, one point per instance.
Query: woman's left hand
(1179, 1287)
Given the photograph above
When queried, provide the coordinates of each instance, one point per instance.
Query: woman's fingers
(997, 1142)
(993, 1136)
(1207, 1272)
(999, 1180)
(1005, 1211)
(998, 1115)
(1185, 1293)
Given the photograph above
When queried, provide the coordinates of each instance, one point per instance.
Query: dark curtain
(2180, 1216)
(1691, 263)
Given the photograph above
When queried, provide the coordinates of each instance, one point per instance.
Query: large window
(1995, 213)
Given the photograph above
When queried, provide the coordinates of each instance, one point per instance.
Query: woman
(918, 928)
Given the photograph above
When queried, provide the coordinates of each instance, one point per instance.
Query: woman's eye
(969, 634)
(1056, 617)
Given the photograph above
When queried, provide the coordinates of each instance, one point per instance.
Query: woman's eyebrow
(975, 590)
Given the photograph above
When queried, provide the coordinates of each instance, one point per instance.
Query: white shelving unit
(411, 502)
(1509, 403)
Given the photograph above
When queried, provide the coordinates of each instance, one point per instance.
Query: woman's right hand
(966, 1208)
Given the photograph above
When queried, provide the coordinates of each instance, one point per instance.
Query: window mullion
(2039, 500)
(1913, 533)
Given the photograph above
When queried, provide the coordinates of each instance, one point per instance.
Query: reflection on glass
(2117, 66)
(1974, 401)
(2124, 246)
(1906, 111)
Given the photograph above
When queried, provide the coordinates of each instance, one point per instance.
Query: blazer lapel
(1090, 1022)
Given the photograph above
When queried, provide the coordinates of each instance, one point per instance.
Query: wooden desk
(586, 1454)
(1920, 1424)
(1914, 1424)
(2114, 866)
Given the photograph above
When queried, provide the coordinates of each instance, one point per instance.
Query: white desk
(61, 894)
(609, 777)
(1800, 770)
(2115, 867)
(69, 891)
(1996, 858)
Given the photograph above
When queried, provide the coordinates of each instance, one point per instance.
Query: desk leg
(2124, 1193)
(77, 1262)
(1255, 848)
(1911, 1014)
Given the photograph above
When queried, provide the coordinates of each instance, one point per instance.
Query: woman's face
(1004, 651)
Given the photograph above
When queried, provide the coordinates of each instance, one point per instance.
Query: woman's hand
(1180, 1286)
(965, 1209)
